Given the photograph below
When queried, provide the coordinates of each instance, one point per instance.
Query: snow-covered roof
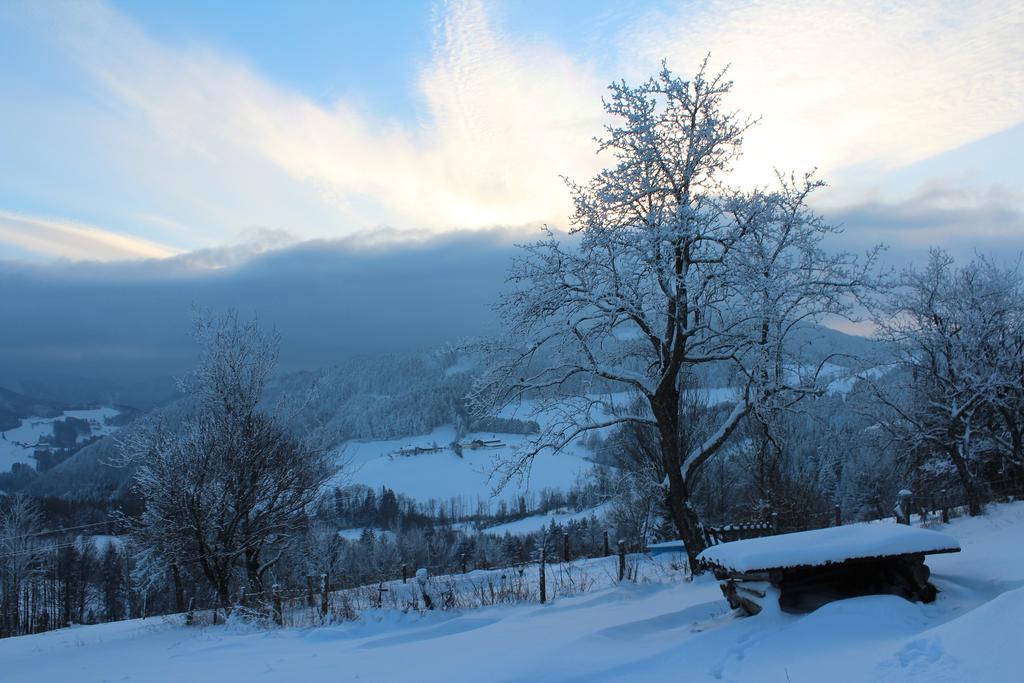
(827, 546)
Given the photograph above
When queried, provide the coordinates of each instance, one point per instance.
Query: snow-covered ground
(657, 631)
(18, 444)
(355, 533)
(528, 525)
(443, 474)
(845, 383)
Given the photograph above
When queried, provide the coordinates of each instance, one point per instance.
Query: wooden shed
(807, 569)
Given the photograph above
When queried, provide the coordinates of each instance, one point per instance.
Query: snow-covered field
(18, 444)
(443, 474)
(654, 631)
(529, 525)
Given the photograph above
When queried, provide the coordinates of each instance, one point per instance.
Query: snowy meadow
(660, 627)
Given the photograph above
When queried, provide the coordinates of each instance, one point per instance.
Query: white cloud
(76, 241)
(873, 83)
(503, 121)
(199, 147)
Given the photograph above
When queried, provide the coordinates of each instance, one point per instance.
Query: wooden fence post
(622, 559)
(775, 522)
(543, 582)
(405, 573)
(607, 550)
(839, 516)
(463, 558)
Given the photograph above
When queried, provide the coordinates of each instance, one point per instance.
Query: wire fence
(321, 601)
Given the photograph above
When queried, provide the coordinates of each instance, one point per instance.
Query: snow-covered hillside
(533, 523)
(17, 445)
(664, 630)
(425, 466)
(442, 474)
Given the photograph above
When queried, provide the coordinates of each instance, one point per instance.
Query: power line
(56, 531)
(40, 549)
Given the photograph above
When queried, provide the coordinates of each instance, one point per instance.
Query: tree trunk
(179, 591)
(665, 407)
(224, 594)
(252, 570)
(967, 481)
(691, 531)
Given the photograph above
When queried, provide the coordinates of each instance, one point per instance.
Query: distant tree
(21, 553)
(66, 432)
(959, 338)
(112, 584)
(671, 271)
(231, 489)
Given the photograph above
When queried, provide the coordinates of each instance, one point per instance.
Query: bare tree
(21, 553)
(670, 270)
(230, 490)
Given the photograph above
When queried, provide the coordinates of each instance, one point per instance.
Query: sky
(179, 145)
(146, 129)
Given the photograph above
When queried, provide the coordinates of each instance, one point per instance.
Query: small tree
(229, 490)
(671, 271)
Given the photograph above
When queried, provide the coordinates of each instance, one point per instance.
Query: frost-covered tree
(959, 336)
(670, 270)
(229, 491)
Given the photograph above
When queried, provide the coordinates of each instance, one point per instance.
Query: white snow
(17, 445)
(827, 546)
(102, 541)
(443, 474)
(664, 630)
(355, 533)
(844, 385)
(528, 525)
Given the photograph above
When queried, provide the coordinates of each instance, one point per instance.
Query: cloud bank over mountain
(330, 299)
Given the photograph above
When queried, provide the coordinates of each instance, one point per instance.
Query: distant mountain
(388, 396)
(816, 342)
(77, 391)
(14, 407)
(92, 472)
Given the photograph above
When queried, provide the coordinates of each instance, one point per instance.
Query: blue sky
(147, 129)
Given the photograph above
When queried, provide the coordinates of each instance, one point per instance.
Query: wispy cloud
(502, 121)
(76, 241)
